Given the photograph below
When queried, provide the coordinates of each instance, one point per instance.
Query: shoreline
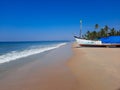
(47, 73)
(6, 67)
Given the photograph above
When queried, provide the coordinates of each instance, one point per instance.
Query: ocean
(10, 51)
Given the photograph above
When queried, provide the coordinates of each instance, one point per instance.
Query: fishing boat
(111, 41)
(94, 43)
(84, 42)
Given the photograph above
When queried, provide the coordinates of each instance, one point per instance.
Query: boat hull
(92, 43)
(88, 42)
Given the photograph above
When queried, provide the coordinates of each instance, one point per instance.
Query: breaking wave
(13, 55)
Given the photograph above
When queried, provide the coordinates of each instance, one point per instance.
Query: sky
(35, 20)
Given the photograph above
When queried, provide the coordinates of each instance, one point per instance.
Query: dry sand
(96, 68)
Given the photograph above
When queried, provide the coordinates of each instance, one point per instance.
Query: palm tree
(96, 26)
(102, 33)
(106, 28)
(94, 35)
(87, 35)
(118, 32)
(113, 32)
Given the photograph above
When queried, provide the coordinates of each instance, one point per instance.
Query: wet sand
(96, 68)
(47, 73)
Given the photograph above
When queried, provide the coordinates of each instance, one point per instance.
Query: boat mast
(80, 28)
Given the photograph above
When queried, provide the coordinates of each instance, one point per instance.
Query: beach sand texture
(96, 68)
(61, 69)
(47, 73)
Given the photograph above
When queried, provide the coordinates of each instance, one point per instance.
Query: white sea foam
(20, 54)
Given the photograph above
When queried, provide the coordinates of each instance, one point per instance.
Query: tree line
(103, 32)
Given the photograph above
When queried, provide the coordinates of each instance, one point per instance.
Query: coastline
(48, 72)
(66, 68)
(96, 68)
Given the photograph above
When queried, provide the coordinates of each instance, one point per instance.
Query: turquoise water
(10, 51)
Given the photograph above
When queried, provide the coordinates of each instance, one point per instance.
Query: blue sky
(25, 20)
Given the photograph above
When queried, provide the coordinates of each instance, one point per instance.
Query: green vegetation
(103, 32)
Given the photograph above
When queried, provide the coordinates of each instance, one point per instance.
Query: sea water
(10, 51)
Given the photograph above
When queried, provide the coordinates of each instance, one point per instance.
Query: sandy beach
(43, 72)
(96, 68)
(65, 68)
